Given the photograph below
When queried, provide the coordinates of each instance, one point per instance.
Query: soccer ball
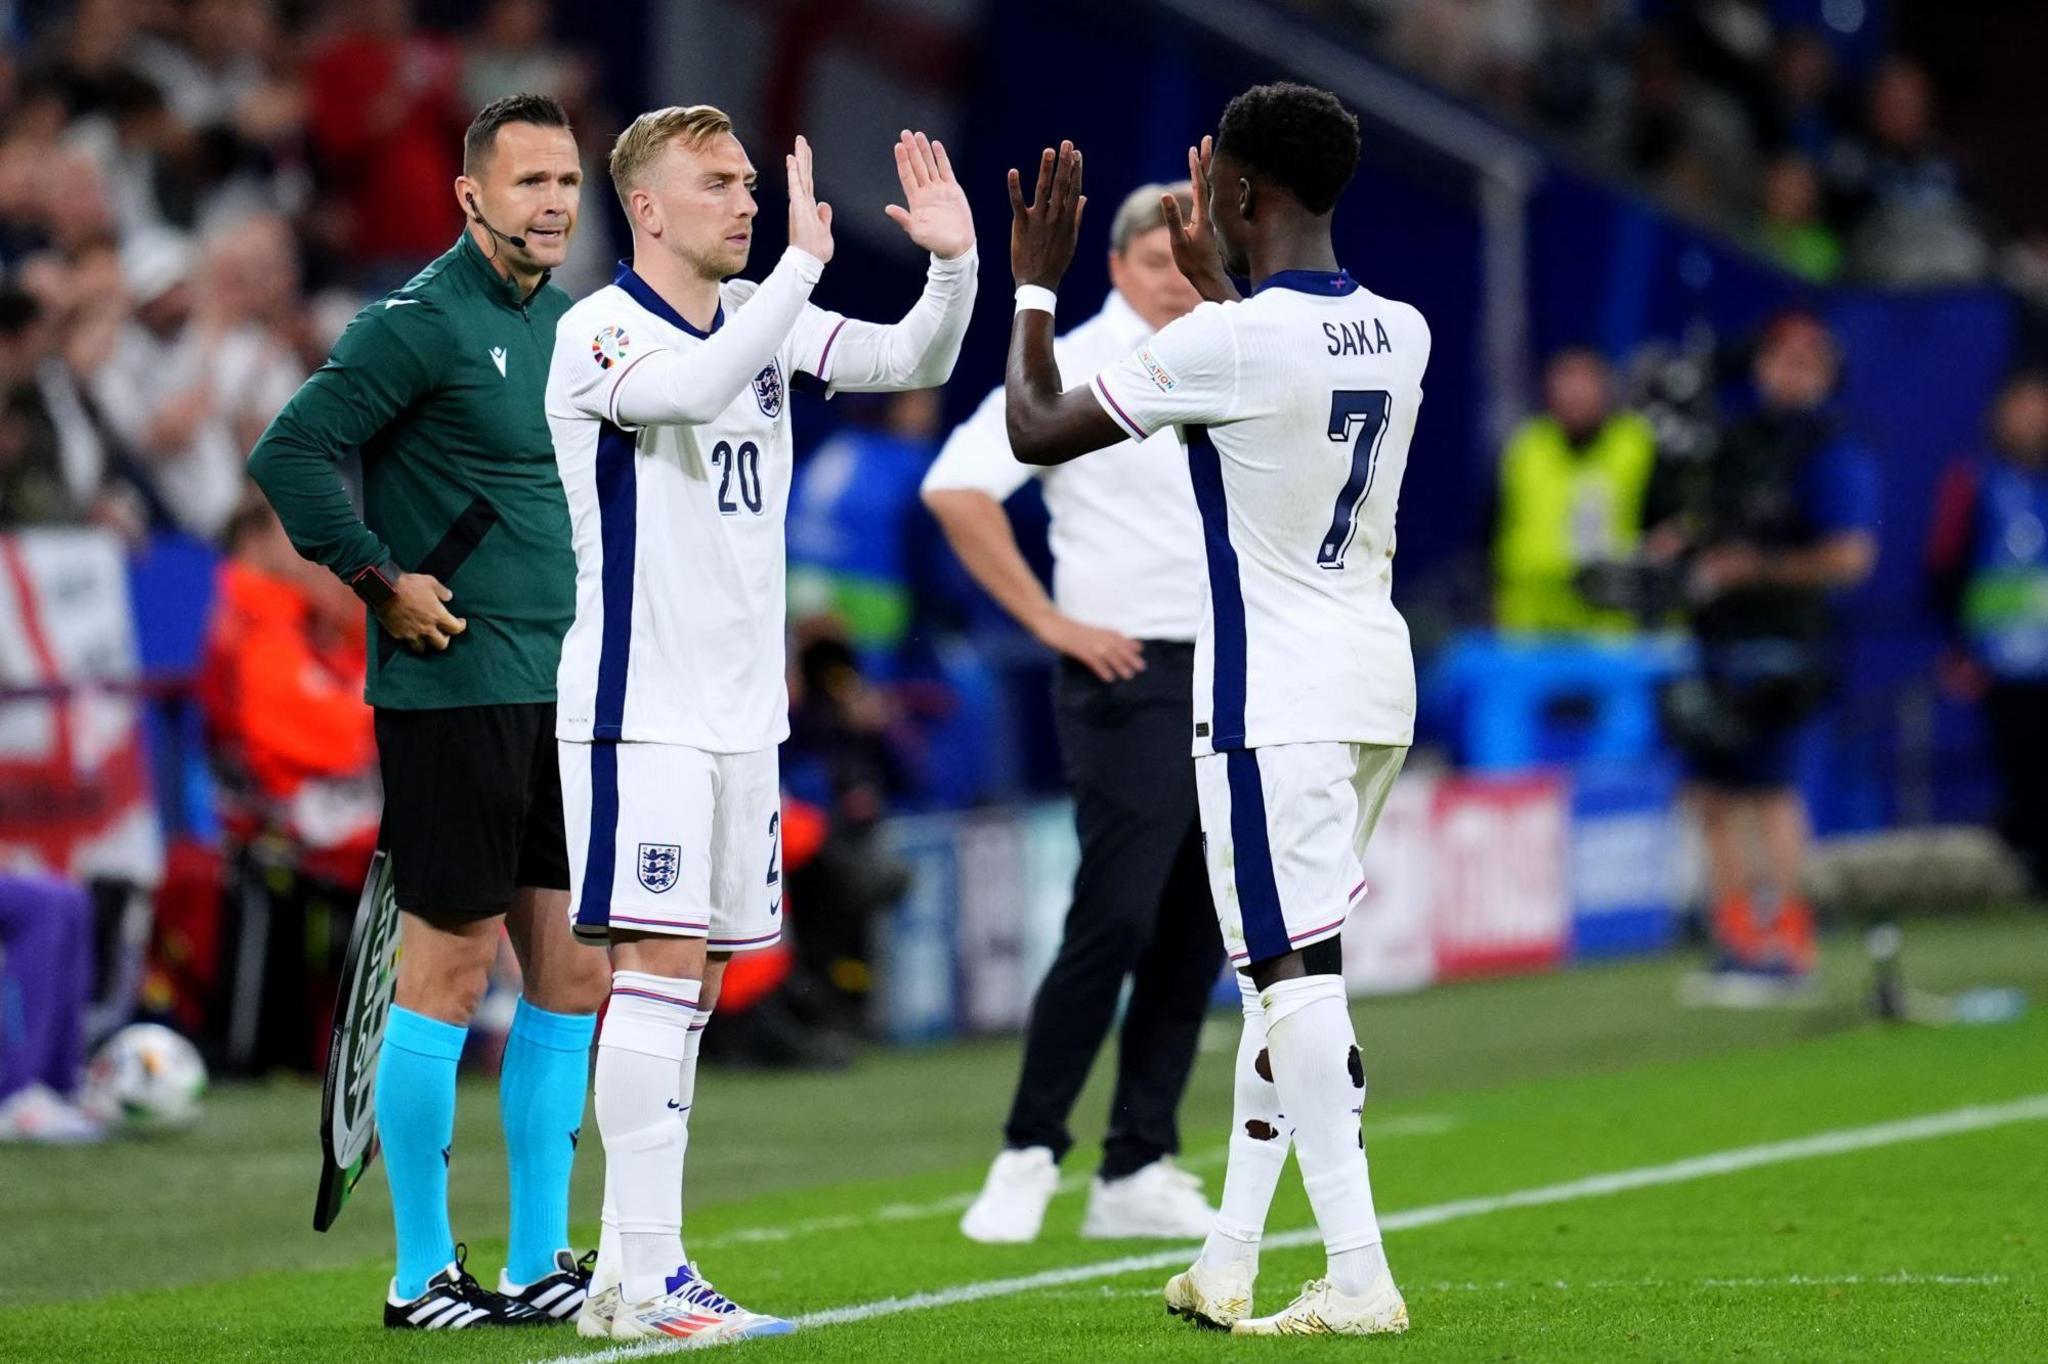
(145, 1078)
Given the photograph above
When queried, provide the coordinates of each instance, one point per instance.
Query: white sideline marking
(1409, 1125)
(1974, 1118)
(1900, 1278)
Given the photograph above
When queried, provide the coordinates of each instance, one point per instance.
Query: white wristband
(1035, 298)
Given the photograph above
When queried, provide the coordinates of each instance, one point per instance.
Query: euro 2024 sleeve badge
(608, 347)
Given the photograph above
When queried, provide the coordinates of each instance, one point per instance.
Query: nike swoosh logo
(677, 1106)
(391, 303)
(775, 908)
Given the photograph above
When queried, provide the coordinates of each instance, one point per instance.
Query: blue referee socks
(541, 1090)
(416, 1122)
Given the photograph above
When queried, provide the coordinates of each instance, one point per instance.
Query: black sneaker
(455, 1301)
(559, 1296)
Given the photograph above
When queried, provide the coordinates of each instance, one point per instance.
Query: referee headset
(476, 215)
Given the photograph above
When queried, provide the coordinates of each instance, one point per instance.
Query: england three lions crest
(660, 865)
(768, 389)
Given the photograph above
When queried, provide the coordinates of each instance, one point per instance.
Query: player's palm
(937, 217)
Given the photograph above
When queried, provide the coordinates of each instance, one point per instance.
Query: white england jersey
(1297, 406)
(678, 532)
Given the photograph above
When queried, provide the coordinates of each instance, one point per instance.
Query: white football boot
(1011, 1206)
(695, 1312)
(1216, 1298)
(1159, 1200)
(1323, 1311)
(600, 1302)
(594, 1319)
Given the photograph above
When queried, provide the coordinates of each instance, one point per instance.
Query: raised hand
(937, 217)
(810, 222)
(1043, 232)
(1196, 251)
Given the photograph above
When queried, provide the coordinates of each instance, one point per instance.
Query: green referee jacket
(440, 386)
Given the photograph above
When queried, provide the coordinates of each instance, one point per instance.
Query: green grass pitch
(1491, 1105)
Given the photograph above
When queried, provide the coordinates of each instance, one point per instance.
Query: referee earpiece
(477, 215)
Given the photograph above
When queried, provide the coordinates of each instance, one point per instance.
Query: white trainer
(1216, 1298)
(1323, 1311)
(1011, 1206)
(1159, 1200)
(37, 1113)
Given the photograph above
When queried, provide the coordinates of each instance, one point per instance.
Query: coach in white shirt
(1129, 581)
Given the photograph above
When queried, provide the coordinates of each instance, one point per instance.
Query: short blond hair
(691, 124)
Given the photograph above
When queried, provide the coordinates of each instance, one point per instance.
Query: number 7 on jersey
(1360, 416)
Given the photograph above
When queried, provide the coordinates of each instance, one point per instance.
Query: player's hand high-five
(810, 222)
(1043, 232)
(1196, 252)
(937, 217)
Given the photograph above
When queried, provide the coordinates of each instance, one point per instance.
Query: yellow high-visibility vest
(1561, 509)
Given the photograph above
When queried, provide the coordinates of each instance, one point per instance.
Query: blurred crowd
(1726, 115)
(195, 196)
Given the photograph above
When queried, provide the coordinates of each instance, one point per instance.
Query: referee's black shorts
(472, 807)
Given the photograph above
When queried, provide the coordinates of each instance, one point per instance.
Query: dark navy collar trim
(643, 293)
(1310, 282)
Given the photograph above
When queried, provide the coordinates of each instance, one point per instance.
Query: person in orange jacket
(281, 687)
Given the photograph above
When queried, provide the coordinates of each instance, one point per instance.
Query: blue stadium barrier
(1505, 698)
(1624, 878)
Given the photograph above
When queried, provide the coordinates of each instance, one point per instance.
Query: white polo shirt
(1126, 536)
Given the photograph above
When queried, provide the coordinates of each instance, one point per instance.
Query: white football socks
(686, 1086)
(640, 1114)
(1259, 1138)
(1320, 1078)
(608, 1250)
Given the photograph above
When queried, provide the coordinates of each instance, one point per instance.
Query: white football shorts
(1284, 830)
(668, 839)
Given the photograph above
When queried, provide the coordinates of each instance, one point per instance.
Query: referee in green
(462, 557)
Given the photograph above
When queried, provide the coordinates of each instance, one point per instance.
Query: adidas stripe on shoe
(560, 1295)
(455, 1301)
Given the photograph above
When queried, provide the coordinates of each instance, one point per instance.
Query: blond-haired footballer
(669, 402)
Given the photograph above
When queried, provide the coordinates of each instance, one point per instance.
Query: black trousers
(1141, 909)
(2017, 715)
